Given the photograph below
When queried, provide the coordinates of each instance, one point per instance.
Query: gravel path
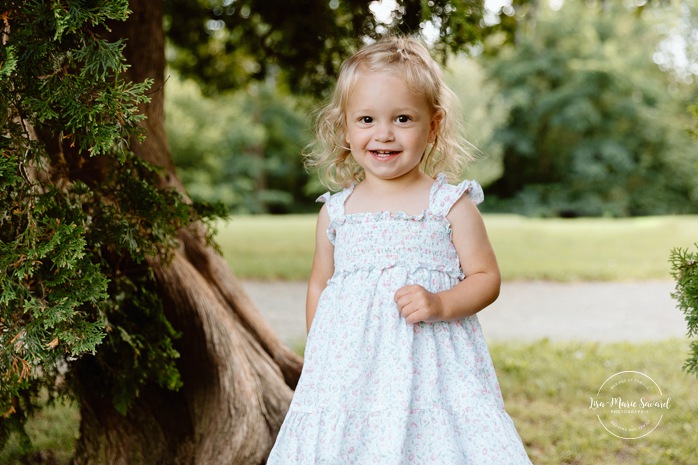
(526, 310)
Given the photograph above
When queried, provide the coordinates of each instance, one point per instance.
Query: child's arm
(323, 266)
(482, 279)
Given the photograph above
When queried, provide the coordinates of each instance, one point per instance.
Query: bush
(684, 265)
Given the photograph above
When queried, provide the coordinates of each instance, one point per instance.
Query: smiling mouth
(383, 154)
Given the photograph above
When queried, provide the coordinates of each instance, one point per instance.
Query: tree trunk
(237, 375)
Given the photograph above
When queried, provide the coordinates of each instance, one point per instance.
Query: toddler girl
(396, 367)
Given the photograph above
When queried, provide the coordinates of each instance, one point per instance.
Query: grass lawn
(52, 432)
(547, 389)
(269, 247)
(281, 247)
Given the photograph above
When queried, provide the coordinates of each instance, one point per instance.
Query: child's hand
(417, 304)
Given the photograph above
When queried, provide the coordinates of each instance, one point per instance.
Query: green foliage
(243, 149)
(223, 44)
(139, 349)
(79, 219)
(50, 289)
(684, 265)
(9, 61)
(60, 65)
(591, 128)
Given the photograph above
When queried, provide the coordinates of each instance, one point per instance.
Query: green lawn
(546, 387)
(281, 247)
(269, 247)
(52, 432)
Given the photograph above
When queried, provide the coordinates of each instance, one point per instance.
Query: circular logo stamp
(630, 405)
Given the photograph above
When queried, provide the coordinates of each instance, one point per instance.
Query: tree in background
(591, 126)
(243, 148)
(221, 153)
(301, 42)
(111, 290)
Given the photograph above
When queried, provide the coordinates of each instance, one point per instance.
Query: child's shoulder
(332, 197)
(334, 202)
(446, 195)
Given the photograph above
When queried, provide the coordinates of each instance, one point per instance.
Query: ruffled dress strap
(444, 195)
(335, 209)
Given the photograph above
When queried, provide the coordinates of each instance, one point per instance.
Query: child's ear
(435, 126)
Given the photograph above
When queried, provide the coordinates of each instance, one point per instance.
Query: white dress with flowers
(376, 390)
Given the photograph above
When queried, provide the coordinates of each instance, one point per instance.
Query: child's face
(388, 126)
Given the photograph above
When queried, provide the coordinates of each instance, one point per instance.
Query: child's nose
(384, 132)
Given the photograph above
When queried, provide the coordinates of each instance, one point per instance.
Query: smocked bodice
(385, 240)
(381, 240)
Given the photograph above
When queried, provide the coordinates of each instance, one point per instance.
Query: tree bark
(237, 375)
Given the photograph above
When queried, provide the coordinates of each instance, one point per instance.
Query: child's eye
(403, 119)
(366, 120)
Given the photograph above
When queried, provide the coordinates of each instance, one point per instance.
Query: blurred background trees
(243, 148)
(593, 126)
(582, 112)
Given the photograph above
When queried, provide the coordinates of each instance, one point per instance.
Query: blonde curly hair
(410, 60)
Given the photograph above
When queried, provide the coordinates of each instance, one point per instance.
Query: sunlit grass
(52, 432)
(269, 247)
(281, 247)
(589, 248)
(546, 388)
